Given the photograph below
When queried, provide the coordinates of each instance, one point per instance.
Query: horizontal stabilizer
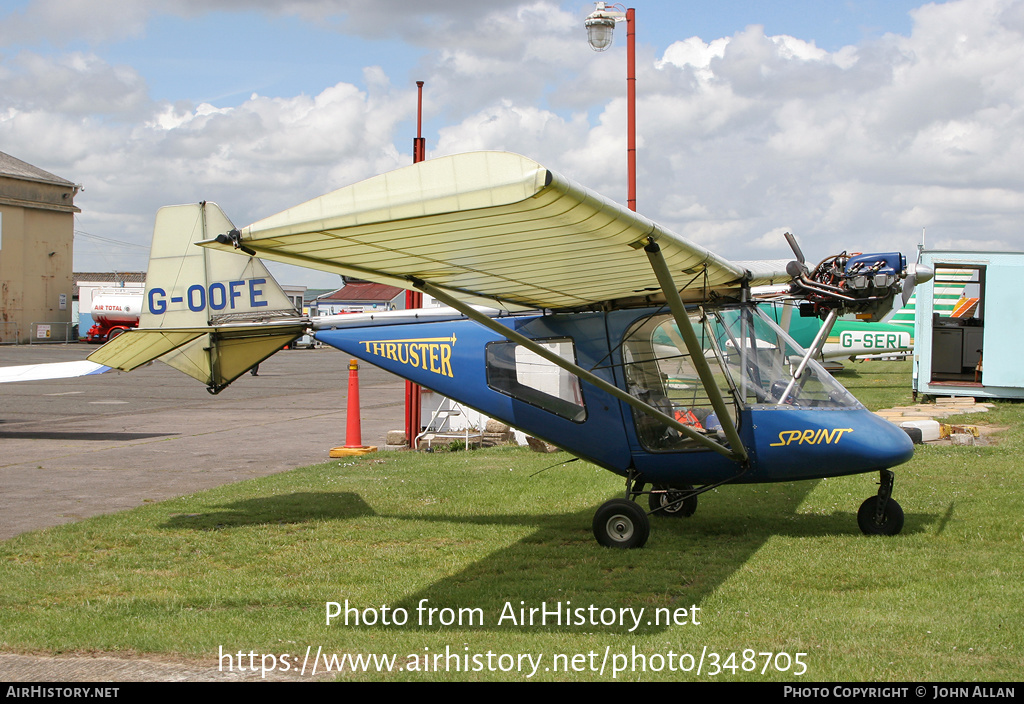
(131, 349)
(218, 358)
(215, 356)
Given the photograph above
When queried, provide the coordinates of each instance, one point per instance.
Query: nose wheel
(881, 515)
(620, 523)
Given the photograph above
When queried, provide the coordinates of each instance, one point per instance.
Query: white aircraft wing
(491, 226)
(54, 370)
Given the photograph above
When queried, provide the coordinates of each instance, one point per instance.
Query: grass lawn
(762, 583)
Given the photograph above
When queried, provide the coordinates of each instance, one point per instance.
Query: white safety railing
(441, 417)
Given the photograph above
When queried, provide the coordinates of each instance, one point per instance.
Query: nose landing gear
(881, 515)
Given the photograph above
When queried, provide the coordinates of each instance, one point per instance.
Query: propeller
(918, 275)
(795, 269)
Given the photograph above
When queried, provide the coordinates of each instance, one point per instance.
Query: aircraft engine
(864, 284)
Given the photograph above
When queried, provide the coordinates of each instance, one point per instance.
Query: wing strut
(693, 346)
(580, 372)
(813, 351)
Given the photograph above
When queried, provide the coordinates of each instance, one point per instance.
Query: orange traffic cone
(353, 430)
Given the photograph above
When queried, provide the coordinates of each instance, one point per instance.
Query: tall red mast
(414, 299)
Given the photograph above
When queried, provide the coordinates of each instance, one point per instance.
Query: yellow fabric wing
(490, 226)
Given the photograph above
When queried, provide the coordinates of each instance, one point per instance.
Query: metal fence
(48, 333)
(8, 333)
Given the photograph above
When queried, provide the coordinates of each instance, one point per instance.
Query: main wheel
(620, 523)
(892, 519)
(671, 502)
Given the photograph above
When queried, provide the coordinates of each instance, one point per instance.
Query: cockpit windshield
(754, 363)
(764, 362)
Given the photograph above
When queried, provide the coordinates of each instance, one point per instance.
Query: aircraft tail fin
(189, 286)
(209, 314)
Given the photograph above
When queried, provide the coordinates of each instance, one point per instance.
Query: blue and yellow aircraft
(569, 317)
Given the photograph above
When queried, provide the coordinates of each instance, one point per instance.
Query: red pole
(419, 109)
(631, 106)
(414, 299)
(419, 145)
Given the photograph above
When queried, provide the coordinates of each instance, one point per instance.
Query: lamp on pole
(414, 299)
(600, 26)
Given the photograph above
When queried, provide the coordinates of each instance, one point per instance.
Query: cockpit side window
(526, 376)
(660, 372)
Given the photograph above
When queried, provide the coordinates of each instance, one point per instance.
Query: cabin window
(660, 372)
(753, 363)
(526, 376)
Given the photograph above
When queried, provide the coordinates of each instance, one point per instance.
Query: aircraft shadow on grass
(297, 507)
(690, 558)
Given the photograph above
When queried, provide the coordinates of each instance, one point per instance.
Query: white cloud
(507, 127)
(263, 155)
(849, 144)
(72, 84)
(740, 137)
(64, 21)
(435, 23)
(773, 239)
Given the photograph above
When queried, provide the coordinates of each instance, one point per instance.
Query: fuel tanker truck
(113, 312)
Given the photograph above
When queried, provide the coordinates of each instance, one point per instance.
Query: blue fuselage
(465, 361)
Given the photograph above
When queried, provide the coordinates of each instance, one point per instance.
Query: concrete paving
(76, 448)
(106, 669)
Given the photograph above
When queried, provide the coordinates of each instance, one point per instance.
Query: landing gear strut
(621, 523)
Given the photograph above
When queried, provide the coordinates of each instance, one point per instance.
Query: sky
(856, 125)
